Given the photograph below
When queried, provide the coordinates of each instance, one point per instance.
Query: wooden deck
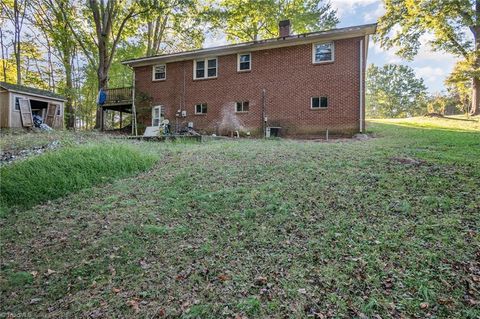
(119, 99)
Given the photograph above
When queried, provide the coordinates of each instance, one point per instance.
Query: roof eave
(47, 97)
(337, 34)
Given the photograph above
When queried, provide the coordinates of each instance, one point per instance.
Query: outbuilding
(18, 105)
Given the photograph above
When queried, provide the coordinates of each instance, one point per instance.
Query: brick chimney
(284, 27)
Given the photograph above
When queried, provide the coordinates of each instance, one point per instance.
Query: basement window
(244, 62)
(323, 52)
(241, 106)
(159, 72)
(201, 108)
(205, 68)
(319, 102)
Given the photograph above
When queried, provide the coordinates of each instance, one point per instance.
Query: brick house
(302, 84)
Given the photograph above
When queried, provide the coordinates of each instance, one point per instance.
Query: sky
(432, 66)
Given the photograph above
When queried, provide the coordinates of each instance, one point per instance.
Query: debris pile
(8, 156)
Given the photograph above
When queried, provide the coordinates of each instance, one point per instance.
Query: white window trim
(153, 72)
(159, 107)
(321, 62)
(197, 113)
(206, 69)
(238, 61)
(319, 103)
(242, 111)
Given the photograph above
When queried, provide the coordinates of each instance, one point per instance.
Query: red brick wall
(289, 79)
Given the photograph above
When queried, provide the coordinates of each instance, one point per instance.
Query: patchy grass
(56, 174)
(386, 227)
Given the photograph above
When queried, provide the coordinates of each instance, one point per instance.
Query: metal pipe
(361, 85)
(264, 114)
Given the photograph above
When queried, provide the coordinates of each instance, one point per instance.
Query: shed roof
(29, 90)
(328, 35)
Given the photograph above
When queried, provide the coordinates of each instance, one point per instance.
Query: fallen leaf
(223, 277)
(49, 272)
(424, 305)
(133, 303)
(260, 280)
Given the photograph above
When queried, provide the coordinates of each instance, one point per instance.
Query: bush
(56, 174)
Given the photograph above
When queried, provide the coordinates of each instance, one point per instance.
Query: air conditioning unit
(190, 124)
(184, 113)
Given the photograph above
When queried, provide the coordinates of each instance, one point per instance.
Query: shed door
(52, 110)
(25, 112)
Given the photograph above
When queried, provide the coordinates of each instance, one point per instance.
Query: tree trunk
(69, 92)
(475, 109)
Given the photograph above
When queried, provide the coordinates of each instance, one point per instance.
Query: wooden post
(102, 120)
(121, 119)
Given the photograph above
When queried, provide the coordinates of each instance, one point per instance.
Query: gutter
(336, 34)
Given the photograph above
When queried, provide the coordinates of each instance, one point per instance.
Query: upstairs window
(201, 108)
(205, 68)
(159, 72)
(319, 102)
(242, 107)
(244, 62)
(323, 52)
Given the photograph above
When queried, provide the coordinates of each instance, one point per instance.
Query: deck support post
(102, 125)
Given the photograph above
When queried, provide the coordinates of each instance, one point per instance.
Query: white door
(157, 115)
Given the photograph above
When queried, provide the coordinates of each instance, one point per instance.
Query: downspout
(361, 86)
(134, 109)
(264, 114)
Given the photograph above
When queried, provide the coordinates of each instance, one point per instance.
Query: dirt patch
(433, 114)
(408, 161)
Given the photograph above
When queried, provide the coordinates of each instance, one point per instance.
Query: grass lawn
(387, 227)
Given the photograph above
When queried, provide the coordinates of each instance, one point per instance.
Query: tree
(172, 25)
(15, 11)
(405, 21)
(394, 91)
(459, 85)
(107, 22)
(251, 20)
(49, 18)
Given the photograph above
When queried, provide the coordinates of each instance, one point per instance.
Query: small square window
(201, 108)
(319, 102)
(242, 106)
(244, 62)
(323, 52)
(159, 72)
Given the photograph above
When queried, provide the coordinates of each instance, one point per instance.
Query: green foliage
(249, 20)
(454, 25)
(394, 91)
(406, 21)
(56, 174)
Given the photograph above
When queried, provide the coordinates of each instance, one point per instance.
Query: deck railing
(118, 95)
